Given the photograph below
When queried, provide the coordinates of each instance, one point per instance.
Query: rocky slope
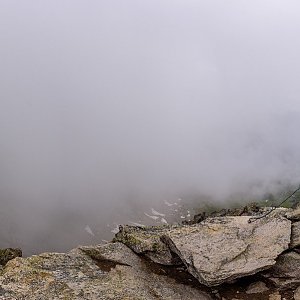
(221, 257)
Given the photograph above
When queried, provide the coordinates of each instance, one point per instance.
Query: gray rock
(295, 236)
(218, 250)
(286, 272)
(257, 287)
(110, 271)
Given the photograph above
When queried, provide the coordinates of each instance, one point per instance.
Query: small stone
(257, 287)
(275, 296)
(297, 294)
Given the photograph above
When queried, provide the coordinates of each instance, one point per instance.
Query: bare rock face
(218, 250)
(110, 271)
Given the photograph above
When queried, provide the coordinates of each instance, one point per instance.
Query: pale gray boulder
(218, 250)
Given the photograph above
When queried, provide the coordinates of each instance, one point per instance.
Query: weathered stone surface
(146, 240)
(257, 287)
(8, 254)
(111, 271)
(295, 236)
(286, 272)
(221, 249)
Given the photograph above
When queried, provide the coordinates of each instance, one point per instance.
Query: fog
(110, 108)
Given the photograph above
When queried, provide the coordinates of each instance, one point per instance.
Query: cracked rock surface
(221, 249)
(215, 250)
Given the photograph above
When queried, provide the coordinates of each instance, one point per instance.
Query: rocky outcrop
(217, 249)
(218, 258)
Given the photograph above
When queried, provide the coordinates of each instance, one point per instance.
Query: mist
(110, 108)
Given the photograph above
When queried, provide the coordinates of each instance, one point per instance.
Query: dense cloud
(109, 105)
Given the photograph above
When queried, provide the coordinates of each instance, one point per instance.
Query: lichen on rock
(147, 241)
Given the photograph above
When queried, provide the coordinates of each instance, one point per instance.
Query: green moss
(132, 240)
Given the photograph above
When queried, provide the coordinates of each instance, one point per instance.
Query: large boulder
(222, 249)
(110, 271)
(217, 250)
